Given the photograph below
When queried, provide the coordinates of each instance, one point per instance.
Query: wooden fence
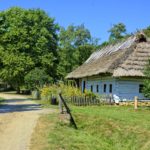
(136, 102)
(86, 101)
(105, 100)
(141, 102)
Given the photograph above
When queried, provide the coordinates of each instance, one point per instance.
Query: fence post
(110, 99)
(60, 104)
(85, 101)
(135, 102)
(68, 111)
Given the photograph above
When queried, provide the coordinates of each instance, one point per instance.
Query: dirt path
(18, 117)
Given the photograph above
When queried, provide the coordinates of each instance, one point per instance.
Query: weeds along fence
(74, 95)
(141, 102)
(104, 100)
(137, 102)
(88, 101)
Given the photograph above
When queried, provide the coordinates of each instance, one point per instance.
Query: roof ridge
(111, 48)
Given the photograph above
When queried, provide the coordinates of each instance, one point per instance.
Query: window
(140, 88)
(91, 88)
(104, 88)
(83, 86)
(110, 88)
(97, 88)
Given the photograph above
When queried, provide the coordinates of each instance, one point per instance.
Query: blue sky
(97, 15)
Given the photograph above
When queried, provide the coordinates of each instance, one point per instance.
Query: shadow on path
(16, 100)
(18, 105)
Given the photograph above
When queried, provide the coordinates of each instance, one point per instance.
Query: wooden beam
(135, 102)
(68, 111)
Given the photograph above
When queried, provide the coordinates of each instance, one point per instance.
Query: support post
(68, 111)
(135, 102)
(110, 99)
(60, 104)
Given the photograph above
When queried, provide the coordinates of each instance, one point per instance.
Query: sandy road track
(18, 117)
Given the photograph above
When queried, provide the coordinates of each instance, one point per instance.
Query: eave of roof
(119, 60)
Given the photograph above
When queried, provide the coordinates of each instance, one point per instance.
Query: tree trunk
(18, 90)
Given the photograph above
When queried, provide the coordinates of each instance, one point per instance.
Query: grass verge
(99, 128)
(1, 100)
(46, 104)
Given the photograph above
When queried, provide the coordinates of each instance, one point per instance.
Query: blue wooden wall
(128, 89)
(124, 88)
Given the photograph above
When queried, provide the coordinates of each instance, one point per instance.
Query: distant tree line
(35, 50)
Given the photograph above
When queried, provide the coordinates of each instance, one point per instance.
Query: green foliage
(69, 91)
(66, 90)
(117, 32)
(48, 91)
(74, 36)
(89, 94)
(104, 44)
(36, 78)
(147, 31)
(83, 52)
(146, 89)
(75, 46)
(28, 40)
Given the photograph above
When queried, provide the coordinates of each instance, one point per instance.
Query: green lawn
(99, 128)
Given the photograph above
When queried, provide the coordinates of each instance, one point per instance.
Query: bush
(67, 91)
(48, 92)
(89, 94)
(36, 78)
(146, 88)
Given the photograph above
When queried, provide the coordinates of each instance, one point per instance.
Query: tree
(146, 88)
(28, 39)
(75, 46)
(83, 52)
(36, 78)
(74, 36)
(147, 31)
(117, 32)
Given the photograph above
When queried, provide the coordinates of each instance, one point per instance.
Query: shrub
(48, 92)
(36, 78)
(88, 93)
(67, 91)
(146, 88)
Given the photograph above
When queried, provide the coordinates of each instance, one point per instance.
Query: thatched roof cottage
(116, 69)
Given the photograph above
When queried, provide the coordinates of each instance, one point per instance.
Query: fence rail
(140, 102)
(143, 100)
(86, 101)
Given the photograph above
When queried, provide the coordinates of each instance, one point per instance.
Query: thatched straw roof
(127, 58)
